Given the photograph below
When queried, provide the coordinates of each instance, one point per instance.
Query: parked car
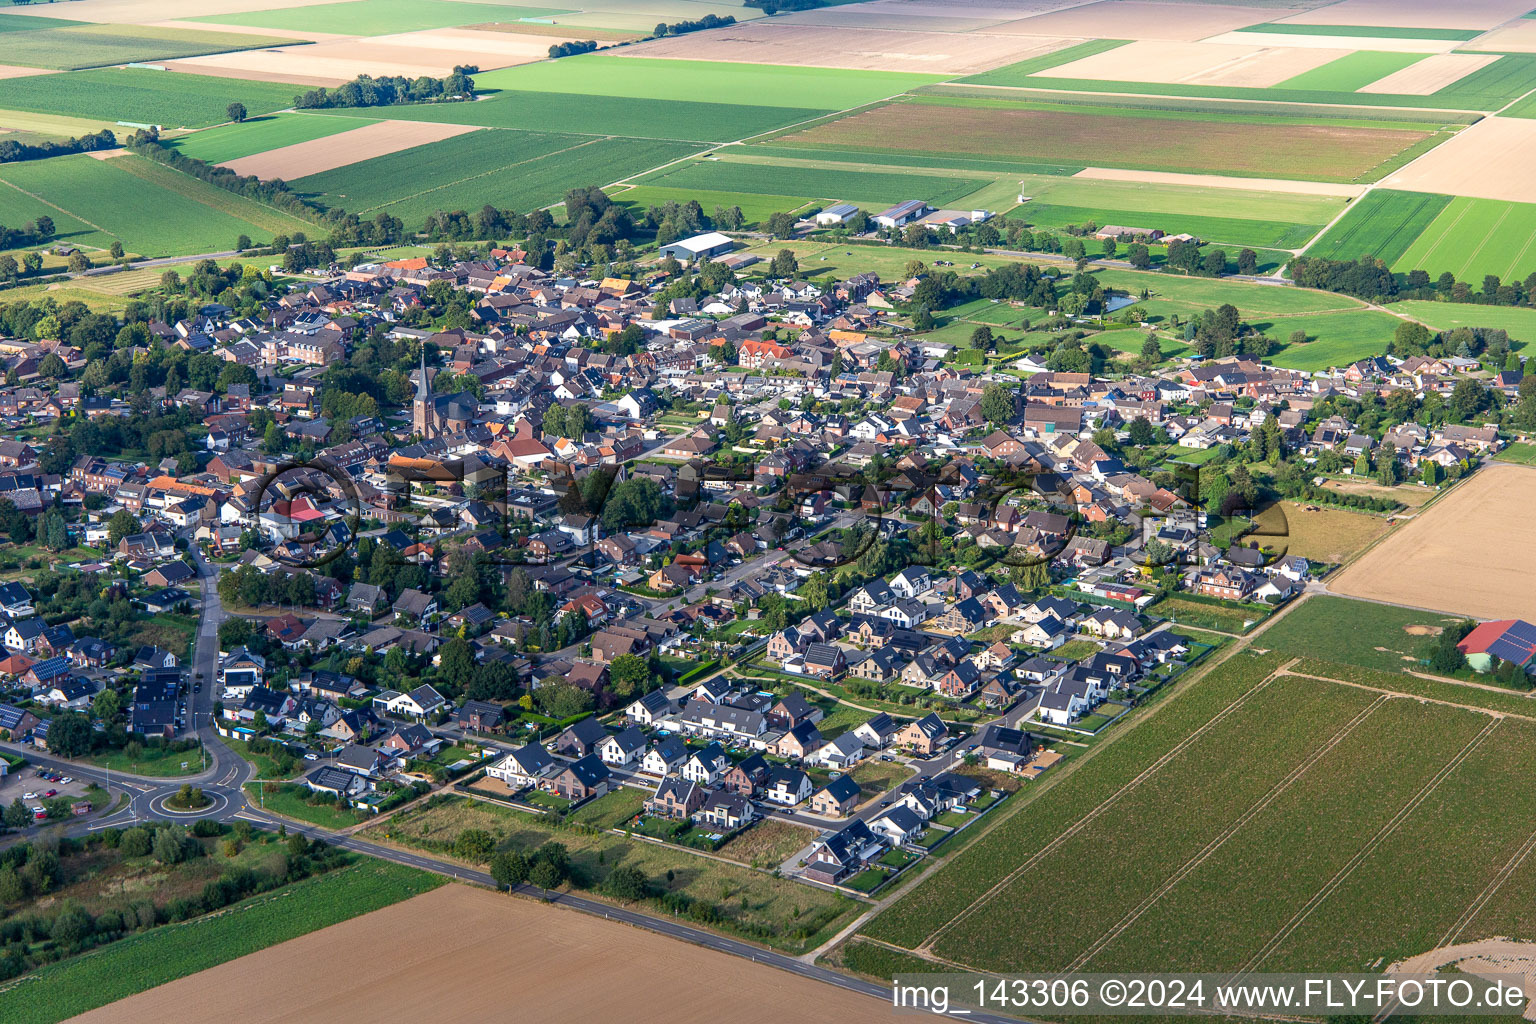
(29, 796)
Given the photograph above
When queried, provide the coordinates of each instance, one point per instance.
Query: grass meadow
(1352, 72)
(1338, 339)
(756, 208)
(1520, 322)
(1352, 632)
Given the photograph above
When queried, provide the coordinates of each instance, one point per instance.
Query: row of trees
(390, 90)
(12, 151)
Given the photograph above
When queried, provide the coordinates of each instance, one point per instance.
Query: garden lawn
(1364, 633)
(289, 800)
(1473, 237)
(157, 762)
(140, 95)
(612, 809)
(274, 131)
(380, 17)
(144, 960)
(1522, 452)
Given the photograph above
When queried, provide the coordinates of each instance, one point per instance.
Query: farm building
(902, 213)
(1507, 640)
(711, 243)
(839, 214)
(1121, 233)
(954, 220)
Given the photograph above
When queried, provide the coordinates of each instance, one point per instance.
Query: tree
(781, 225)
(983, 338)
(997, 403)
(815, 591)
(784, 264)
(626, 883)
(1141, 432)
(457, 662)
(107, 705)
(236, 111)
(1152, 349)
(546, 874)
(78, 262)
(509, 868)
(628, 674)
(1431, 473)
(242, 243)
(70, 735)
(1215, 262)
(169, 848)
(1248, 262)
(235, 632)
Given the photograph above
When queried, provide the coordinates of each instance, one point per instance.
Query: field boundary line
(1104, 804)
(1494, 885)
(56, 206)
(1369, 847)
(1492, 712)
(483, 174)
(1220, 840)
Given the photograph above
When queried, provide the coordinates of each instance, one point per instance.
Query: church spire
(422, 392)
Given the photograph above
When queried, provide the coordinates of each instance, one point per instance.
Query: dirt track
(465, 954)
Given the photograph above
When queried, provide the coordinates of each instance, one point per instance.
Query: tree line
(391, 90)
(12, 151)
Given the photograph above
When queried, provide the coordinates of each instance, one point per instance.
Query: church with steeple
(435, 415)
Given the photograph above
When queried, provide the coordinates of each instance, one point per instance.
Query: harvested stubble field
(377, 17)
(1430, 75)
(862, 48)
(89, 46)
(314, 156)
(1164, 144)
(581, 968)
(1165, 63)
(1464, 14)
(1135, 20)
(1301, 858)
(864, 187)
(1490, 160)
(1467, 554)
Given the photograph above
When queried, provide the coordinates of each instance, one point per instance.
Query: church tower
(421, 408)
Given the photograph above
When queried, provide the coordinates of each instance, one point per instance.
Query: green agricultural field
(1352, 72)
(1366, 31)
(537, 176)
(866, 188)
(757, 208)
(1474, 237)
(1340, 629)
(690, 80)
(1018, 74)
(1519, 321)
(899, 158)
(1215, 867)
(1238, 905)
(1227, 231)
(1338, 338)
(24, 23)
(146, 959)
(380, 17)
(141, 95)
(592, 115)
(1253, 301)
(92, 46)
(1184, 141)
(268, 219)
(1028, 822)
(163, 221)
(18, 208)
(1383, 223)
(259, 134)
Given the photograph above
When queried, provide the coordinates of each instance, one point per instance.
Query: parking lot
(32, 789)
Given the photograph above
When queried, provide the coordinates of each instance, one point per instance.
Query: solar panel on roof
(1506, 650)
(1522, 632)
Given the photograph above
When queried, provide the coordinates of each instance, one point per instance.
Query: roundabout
(213, 803)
